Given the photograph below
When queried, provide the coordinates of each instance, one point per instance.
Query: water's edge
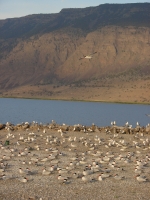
(75, 100)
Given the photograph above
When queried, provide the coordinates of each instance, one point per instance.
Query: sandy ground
(89, 148)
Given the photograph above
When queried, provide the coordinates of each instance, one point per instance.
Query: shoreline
(75, 100)
(53, 126)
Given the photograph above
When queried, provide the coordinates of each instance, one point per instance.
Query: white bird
(88, 56)
(2, 176)
(23, 179)
(77, 175)
(29, 172)
(21, 171)
(62, 178)
(62, 171)
(1, 170)
(137, 171)
(44, 131)
(105, 175)
(6, 157)
(52, 168)
(100, 178)
(44, 159)
(44, 172)
(23, 153)
(113, 123)
(141, 178)
(87, 172)
(34, 159)
(85, 178)
(106, 170)
(127, 124)
(73, 145)
(82, 162)
(117, 177)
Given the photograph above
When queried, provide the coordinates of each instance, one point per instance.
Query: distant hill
(44, 49)
(86, 19)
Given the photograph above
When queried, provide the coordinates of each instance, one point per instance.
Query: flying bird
(147, 115)
(88, 56)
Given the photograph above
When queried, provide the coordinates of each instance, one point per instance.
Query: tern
(90, 56)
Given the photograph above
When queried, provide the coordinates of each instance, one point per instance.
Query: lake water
(69, 112)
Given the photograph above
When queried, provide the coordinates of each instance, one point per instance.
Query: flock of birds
(88, 156)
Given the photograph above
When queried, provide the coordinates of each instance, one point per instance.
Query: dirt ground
(111, 90)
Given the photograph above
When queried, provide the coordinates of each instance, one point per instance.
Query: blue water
(69, 112)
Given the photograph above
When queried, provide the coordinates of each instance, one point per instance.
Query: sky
(19, 8)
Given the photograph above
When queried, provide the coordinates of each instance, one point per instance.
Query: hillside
(39, 54)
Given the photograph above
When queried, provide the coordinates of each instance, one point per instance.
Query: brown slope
(35, 60)
(118, 50)
(55, 56)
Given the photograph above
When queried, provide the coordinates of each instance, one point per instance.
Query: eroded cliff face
(118, 50)
(35, 60)
(54, 57)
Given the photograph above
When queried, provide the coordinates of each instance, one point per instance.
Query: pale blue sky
(18, 8)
